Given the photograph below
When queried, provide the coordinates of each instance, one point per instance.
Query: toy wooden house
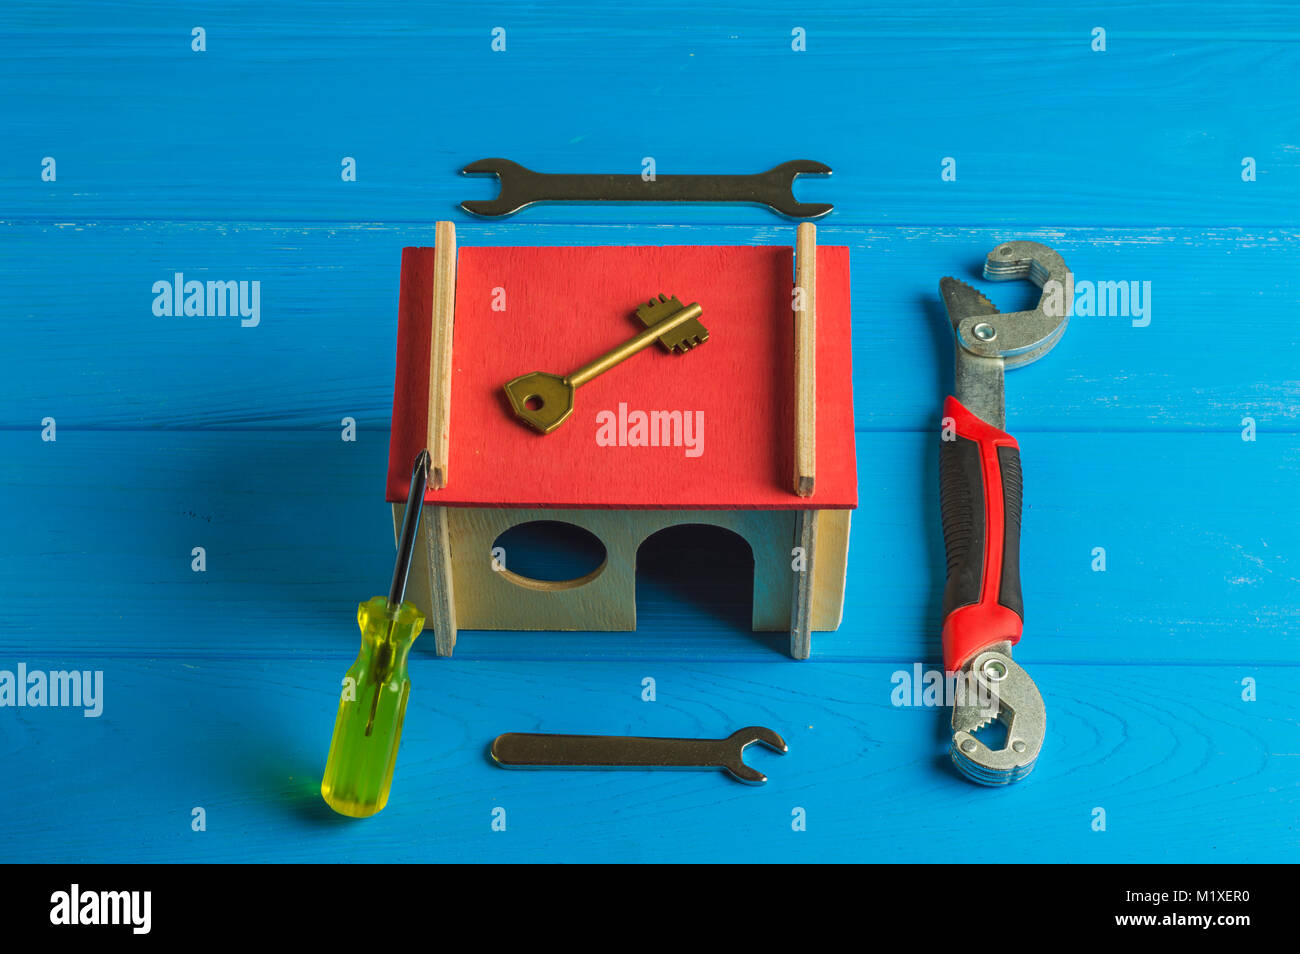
(751, 431)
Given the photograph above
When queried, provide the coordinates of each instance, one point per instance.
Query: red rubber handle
(979, 499)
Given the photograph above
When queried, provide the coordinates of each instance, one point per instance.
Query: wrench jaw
(510, 175)
(743, 773)
(1018, 337)
(1021, 259)
(993, 686)
(781, 195)
(742, 739)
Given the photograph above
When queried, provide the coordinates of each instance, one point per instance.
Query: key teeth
(689, 343)
(680, 339)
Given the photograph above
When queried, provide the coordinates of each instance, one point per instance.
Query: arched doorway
(695, 574)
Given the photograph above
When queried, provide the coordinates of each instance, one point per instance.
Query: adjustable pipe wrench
(980, 496)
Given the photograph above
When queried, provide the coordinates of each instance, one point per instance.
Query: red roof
(554, 309)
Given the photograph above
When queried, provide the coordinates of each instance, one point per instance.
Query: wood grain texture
(1217, 787)
(177, 433)
(1197, 570)
(805, 361)
(801, 597)
(441, 331)
(432, 583)
(336, 286)
(1146, 133)
(830, 579)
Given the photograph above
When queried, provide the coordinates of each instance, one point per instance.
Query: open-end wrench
(529, 750)
(980, 498)
(522, 187)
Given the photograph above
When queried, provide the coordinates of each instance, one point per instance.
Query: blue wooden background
(174, 433)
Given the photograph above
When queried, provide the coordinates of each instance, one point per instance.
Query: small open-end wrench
(522, 187)
(529, 750)
(980, 499)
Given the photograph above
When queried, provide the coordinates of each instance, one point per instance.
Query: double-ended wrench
(522, 187)
(530, 750)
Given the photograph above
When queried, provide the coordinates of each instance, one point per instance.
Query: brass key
(545, 401)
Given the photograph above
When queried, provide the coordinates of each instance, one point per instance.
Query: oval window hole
(548, 554)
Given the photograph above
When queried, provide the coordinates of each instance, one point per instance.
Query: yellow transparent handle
(368, 728)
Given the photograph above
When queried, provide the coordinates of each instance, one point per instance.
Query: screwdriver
(368, 728)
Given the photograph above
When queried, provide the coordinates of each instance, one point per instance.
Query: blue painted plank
(1173, 756)
(1045, 130)
(1216, 342)
(220, 687)
(1198, 565)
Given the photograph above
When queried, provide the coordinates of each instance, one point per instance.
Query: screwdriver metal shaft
(410, 524)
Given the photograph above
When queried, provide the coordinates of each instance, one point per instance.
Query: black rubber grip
(1009, 590)
(961, 507)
